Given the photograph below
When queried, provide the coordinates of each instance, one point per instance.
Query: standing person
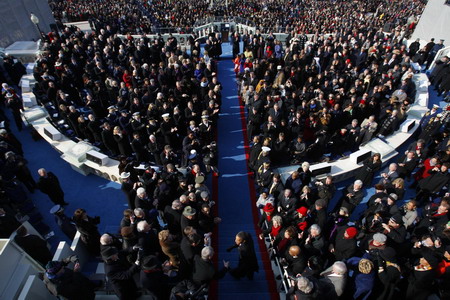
(120, 274)
(248, 263)
(14, 103)
(369, 168)
(64, 222)
(66, 283)
(48, 183)
(235, 40)
(33, 245)
(87, 226)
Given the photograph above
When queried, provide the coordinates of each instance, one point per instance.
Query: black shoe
(64, 204)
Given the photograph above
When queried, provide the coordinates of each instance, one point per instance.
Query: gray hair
(358, 182)
(105, 239)
(277, 219)
(316, 228)
(207, 253)
(305, 285)
(140, 191)
(339, 268)
(176, 203)
(138, 212)
(141, 226)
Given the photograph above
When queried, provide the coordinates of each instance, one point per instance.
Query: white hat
(435, 106)
(166, 115)
(56, 208)
(279, 67)
(439, 115)
(124, 175)
(205, 116)
(265, 149)
(193, 154)
(111, 107)
(136, 114)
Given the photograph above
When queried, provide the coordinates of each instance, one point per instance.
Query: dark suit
(248, 263)
(50, 185)
(120, 274)
(35, 247)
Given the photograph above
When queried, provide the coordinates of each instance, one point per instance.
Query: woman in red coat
(127, 78)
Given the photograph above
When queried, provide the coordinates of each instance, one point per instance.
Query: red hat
(268, 208)
(351, 232)
(303, 210)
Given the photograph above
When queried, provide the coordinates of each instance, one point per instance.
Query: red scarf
(274, 232)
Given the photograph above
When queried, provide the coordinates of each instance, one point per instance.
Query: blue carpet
(234, 202)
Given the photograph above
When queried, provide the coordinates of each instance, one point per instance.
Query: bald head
(294, 251)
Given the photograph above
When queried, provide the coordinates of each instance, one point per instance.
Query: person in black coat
(172, 215)
(67, 283)
(296, 261)
(434, 183)
(421, 281)
(388, 274)
(352, 196)
(204, 271)
(122, 141)
(276, 187)
(255, 150)
(368, 170)
(33, 246)
(191, 245)
(120, 274)
(48, 183)
(407, 164)
(319, 213)
(8, 222)
(129, 188)
(248, 263)
(108, 139)
(344, 246)
(152, 278)
(138, 147)
(87, 226)
(147, 239)
(142, 200)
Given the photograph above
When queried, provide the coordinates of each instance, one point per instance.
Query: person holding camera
(67, 283)
(388, 274)
(120, 274)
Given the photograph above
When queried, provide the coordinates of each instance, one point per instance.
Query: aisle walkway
(235, 205)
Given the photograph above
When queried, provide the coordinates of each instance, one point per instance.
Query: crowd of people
(121, 15)
(149, 102)
(268, 16)
(320, 99)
